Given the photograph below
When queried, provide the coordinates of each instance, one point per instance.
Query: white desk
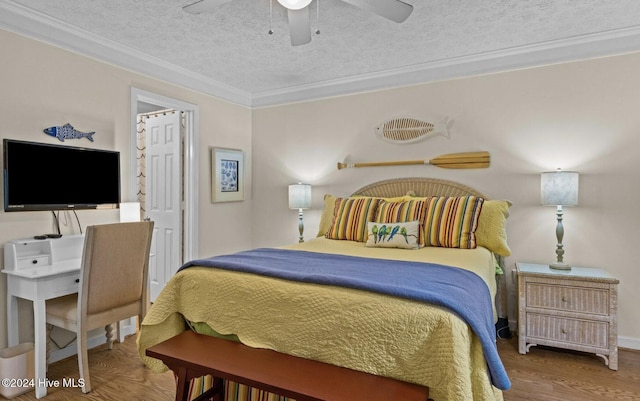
(38, 270)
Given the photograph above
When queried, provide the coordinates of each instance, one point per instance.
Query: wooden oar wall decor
(464, 160)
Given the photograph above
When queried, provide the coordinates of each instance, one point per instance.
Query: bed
(426, 342)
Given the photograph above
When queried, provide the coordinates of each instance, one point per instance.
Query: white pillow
(393, 235)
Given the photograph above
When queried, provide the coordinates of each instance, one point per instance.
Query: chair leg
(83, 361)
(109, 334)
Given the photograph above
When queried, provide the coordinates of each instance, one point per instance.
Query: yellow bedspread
(374, 333)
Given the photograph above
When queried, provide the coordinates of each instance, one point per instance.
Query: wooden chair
(113, 285)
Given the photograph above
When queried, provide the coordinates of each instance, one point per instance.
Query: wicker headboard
(419, 186)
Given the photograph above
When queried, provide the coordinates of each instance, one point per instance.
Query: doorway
(176, 235)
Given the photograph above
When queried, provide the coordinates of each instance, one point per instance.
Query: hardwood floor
(116, 375)
(551, 374)
(543, 374)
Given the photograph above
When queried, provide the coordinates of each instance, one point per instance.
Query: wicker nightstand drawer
(568, 298)
(573, 331)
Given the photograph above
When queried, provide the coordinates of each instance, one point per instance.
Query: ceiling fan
(298, 13)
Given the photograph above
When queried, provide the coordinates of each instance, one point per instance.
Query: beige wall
(42, 86)
(581, 116)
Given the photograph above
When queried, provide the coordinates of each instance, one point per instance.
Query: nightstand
(573, 309)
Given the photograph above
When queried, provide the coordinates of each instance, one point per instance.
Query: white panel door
(163, 197)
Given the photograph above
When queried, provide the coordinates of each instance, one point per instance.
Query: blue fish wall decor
(68, 132)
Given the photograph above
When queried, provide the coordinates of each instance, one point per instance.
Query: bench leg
(218, 384)
(182, 386)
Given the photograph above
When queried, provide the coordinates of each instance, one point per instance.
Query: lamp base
(560, 266)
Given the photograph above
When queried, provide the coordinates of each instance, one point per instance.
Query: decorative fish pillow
(393, 235)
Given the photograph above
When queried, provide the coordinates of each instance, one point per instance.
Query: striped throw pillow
(451, 222)
(350, 218)
(402, 212)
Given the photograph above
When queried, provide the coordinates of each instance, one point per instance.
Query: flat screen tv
(40, 176)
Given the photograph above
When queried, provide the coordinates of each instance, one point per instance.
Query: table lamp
(300, 198)
(559, 188)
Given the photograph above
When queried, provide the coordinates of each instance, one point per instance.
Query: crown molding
(35, 25)
(602, 44)
(27, 22)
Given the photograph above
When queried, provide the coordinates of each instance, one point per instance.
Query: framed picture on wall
(227, 175)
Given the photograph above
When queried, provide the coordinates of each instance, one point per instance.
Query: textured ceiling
(230, 45)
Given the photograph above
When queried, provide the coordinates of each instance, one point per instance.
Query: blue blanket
(461, 291)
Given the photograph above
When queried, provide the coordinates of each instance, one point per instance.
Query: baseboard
(629, 343)
(623, 342)
(127, 327)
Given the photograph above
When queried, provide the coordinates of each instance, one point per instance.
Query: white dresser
(573, 309)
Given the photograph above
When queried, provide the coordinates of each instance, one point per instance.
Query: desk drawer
(66, 284)
(34, 261)
(574, 331)
(568, 298)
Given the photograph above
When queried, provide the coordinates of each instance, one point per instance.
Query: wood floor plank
(542, 374)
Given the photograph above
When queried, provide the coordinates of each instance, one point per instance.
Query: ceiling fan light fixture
(294, 4)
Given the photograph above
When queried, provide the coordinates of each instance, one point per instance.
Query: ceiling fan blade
(299, 26)
(395, 10)
(203, 5)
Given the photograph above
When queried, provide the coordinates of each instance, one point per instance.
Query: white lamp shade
(129, 211)
(299, 196)
(559, 188)
(294, 4)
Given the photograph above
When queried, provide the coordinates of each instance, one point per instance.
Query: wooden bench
(192, 355)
